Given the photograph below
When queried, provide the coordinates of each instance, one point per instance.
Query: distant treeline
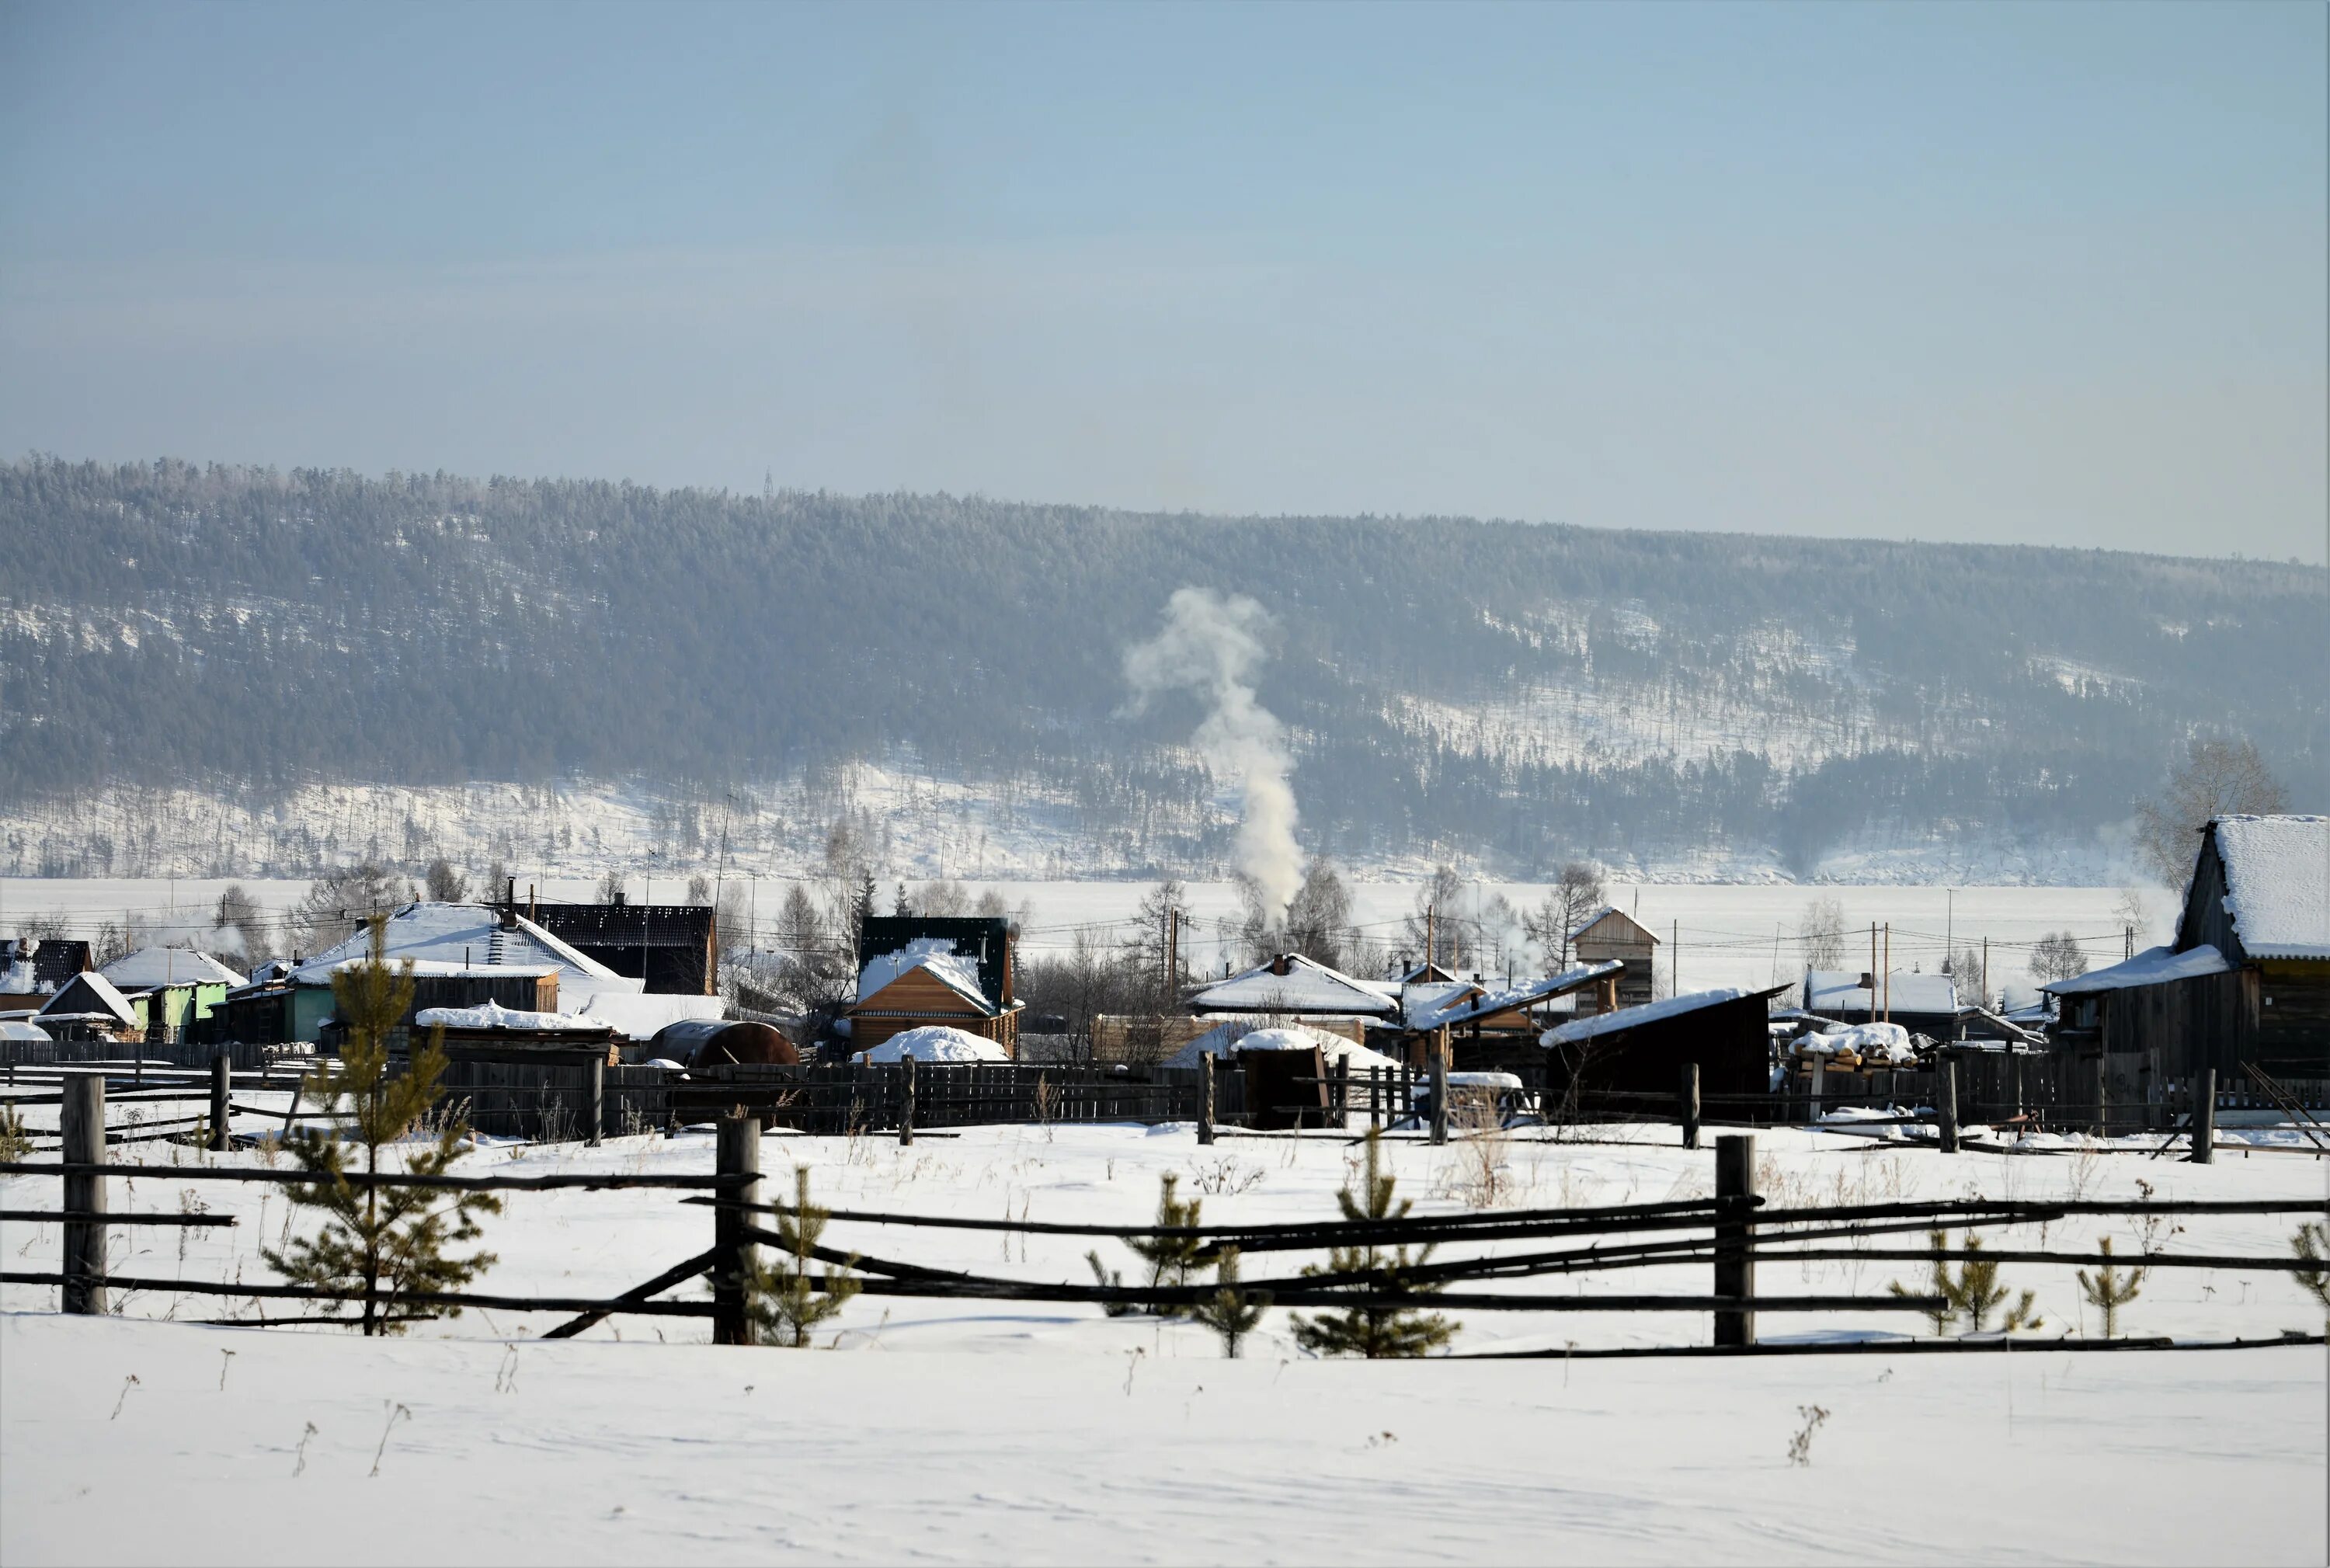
(165, 623)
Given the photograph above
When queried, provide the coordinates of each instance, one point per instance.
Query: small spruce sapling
(1233, 1312)
(2108, 1290)
(13, 1142)
(2312, 1244)
(1170, 1258)
(381, 1243)
(785, 1300)
(1377, 1333)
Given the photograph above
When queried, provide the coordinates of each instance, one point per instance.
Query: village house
(88, 1006)
(174, 990)
(1643, 1049)
(923, 970)
(672, 949)
(1496, 1028)
(2246, 981)
(1610, 935)
(33, 968)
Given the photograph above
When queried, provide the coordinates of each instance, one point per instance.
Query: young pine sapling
(381, 1243)
(2108, 1290)
(1377, 1333)
(785, 1300)
(1233, 1312)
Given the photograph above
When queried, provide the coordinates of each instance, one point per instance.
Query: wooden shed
(1643, 1049)
(2246, 980)
(1614, 936)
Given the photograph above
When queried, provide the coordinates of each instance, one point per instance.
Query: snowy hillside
(232, 671)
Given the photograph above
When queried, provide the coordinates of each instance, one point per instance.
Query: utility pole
(1172, 954)
(1431, 934)
(1674, 958)
(1986, 971)
(1889, 971)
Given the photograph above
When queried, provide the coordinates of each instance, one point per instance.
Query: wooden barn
(2246, 980)
(923, 970)
(1642, 1050)
(1614, 936)
(88, 1007)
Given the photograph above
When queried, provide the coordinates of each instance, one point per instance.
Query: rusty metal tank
(709, 1043)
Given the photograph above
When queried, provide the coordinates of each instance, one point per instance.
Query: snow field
(981, 1431)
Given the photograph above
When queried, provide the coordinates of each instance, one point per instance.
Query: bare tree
(1820, 934)
(2057, 957)
(1318, 919)
(239, 912)
(1431, 930)
(2216, 778)
(1965, 970)
(339, 901)
(446, 884)
(1573, 897)
(699, 889)
(943, 899)
(611, 888)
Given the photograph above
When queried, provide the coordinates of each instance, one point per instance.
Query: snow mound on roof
(935, 1042)
(2152, 967)
(16, 1029)
(1307, 986)
(1229, 1039)
(936, 954)
(2277, 883)
(494, 1015)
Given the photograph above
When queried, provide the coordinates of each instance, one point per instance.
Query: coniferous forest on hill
(1525, 691)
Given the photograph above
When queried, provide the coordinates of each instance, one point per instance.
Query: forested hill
(1524, 692)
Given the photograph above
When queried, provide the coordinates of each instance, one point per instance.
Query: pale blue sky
(2043, 272)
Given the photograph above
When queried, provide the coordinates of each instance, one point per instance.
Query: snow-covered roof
(73, 1000)
(935, 955)
(1487, 1004)
(1305, 985)
(465, 937)
(638, 1016)
(2277, 883)
(1604, 913)
(1840, 991)
(18, 979)
(494, 1015)
(1233, 1036)
(1423, 1001)
(1880, 1042)
(2152, 967)
(19, 1030)
(935, 1042)
(150, 967)
(1587, 1028)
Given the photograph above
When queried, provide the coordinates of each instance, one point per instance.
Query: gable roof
(2152, 967)
(150, 967)
(90, 993)
(1641, 931)
(1840, 991)
(1484, 1004)
(458, 936)
(2277, 884)
(1291, 983)
(933, 956)
(1586, 1028)
(984, 941)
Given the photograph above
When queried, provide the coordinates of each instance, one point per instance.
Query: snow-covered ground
(1711, 934)
(987, 1431)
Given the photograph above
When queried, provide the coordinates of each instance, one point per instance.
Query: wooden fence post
(1735, 1256)
(1205, 1097)
(1946, 1079)
(1375, 1096)
(2204, 1118)
(906, 1100)
(85, 1240)
(1440, 1086)
(221, 1067)
(594, 1094)
(738, 1155)
(1691, 1105)
(1342, 1094)
(2103, 1094)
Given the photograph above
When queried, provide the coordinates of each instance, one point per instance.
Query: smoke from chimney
(1211, 645)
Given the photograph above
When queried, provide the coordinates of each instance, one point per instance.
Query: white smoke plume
(1211, 645)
